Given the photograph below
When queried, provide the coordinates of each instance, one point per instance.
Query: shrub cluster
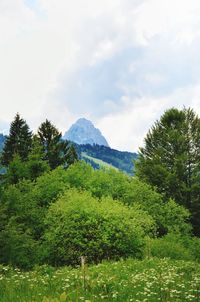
(67, 213)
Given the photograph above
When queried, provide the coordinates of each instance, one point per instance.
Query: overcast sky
(120, 63)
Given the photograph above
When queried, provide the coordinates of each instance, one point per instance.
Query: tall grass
(131, 280)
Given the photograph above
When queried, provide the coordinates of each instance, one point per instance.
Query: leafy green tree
(48, 186)
(170, 159)
(57, 151)
(17, 142)
(168, 215)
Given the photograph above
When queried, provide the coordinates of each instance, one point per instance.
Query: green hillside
(100, 163)
(101, 156)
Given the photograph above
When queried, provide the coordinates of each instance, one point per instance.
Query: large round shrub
(78, 224)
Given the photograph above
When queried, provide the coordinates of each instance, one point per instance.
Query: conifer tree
(18, 142)
(170, 159)
(72, 155)
(36, 164)
(56, 150)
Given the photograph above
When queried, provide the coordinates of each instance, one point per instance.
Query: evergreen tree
(57, 151)
(16, 171)
(72, 155)
(170, 159)
(18, 142)
(36, 164)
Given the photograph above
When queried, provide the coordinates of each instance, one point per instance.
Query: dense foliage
(100, 229)
(106, 215)
(170, 159)
(55, 209)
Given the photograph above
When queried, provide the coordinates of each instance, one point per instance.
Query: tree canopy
(170, 159)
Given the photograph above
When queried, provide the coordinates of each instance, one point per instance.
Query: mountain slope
(99, 156)
(84, 132)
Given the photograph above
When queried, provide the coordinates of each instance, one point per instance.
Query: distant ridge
(83, 132)
(105, 157)
(2, 140)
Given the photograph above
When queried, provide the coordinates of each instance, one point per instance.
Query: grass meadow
(127, 280)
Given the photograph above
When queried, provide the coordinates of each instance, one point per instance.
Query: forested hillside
(121, 160)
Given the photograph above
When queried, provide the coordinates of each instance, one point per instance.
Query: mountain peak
(83, 121)
(84, 132)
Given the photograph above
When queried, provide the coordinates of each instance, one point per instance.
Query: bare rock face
(84, 132)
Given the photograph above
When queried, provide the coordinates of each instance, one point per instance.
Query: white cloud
(177, 18)
(128, 60)
(126, 129)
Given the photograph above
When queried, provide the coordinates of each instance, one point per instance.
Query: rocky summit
(84, 132)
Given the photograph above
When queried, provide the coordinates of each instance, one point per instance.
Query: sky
(119, 63)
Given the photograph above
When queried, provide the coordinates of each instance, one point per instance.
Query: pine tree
(36, 164)
(72, 155)
(170, 159)
(18, 142)
(57, 151)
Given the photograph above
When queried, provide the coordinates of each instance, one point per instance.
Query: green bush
(18, 248)
(193, 244)
(170, 246)
(78, 224)
(169, 216)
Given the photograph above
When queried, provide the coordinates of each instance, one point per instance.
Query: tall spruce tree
(57, 151)
(170, 159)
(18, 142)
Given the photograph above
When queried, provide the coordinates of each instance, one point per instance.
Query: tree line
(28, 155)
(54, 208)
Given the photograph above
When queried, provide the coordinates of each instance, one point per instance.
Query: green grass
(100, 162)
(130, 280)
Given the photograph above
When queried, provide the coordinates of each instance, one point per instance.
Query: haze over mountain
(2, 139)
(84, 132)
